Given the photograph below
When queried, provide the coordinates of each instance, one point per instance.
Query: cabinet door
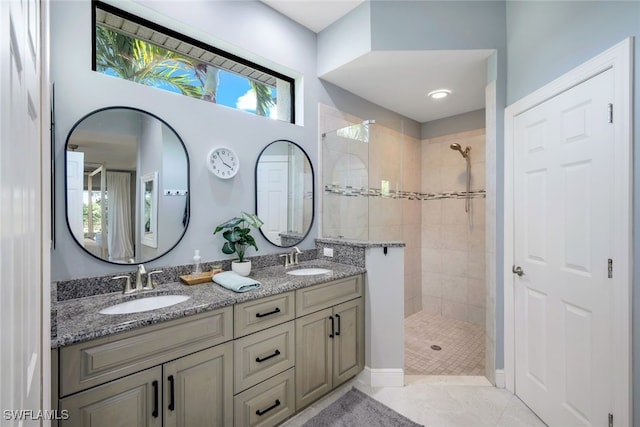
(198, 389)
(313, 357)
(348, 342)
(132, 401)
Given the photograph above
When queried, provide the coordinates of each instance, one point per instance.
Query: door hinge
(610, 420)
(610, 268)
(610, 112)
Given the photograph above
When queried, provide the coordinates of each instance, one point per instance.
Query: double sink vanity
(212, 357)
(201, 355)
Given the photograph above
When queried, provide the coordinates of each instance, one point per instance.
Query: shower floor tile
(462, 346)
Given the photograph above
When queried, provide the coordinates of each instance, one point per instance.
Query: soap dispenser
(197, 267)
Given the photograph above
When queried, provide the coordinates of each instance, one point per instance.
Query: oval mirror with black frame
(126, 186)
(284, 193)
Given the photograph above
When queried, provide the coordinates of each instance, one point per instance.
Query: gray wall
(454, 124)
(355, 27)
(236, 26)
(201, 125)
(347, 102)
(547, 39)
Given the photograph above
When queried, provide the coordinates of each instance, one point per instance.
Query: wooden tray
(195, 279)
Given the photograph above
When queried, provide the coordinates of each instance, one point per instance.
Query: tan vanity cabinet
(132, 401)
(198, 389)
(264, 354)
(317, 297)
(253, 364)
(348, 341)
(264, 349)
(268, 403)
(314, 357)
(329, 342)
(189, 383)
(256, 315)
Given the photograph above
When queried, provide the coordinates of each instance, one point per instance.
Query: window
(135, 49)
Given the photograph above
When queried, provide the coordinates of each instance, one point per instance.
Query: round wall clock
(223, 162)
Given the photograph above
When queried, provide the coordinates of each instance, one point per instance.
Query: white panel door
(21, 236)
(272, 196)
(563, 224)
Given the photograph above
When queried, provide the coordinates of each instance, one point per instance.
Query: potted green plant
(237, 235)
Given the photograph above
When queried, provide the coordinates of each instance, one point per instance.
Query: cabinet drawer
(263, 354)
(95, 362)
(254, 316)
(266, 404)
(318, 297)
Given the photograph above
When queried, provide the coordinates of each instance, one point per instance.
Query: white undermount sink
(308, 271)
(144, 304)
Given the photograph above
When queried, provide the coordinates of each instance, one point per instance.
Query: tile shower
(453, 241)
(378, 183)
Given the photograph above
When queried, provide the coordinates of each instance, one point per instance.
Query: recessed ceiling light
(439, 94)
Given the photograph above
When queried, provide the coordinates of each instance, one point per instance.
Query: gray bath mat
(356, 409)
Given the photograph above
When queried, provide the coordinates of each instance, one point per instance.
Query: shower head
(457, 147)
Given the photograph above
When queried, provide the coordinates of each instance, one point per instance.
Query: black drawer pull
(277, 310)
(172, 396)
(333, 327)
(276, 353)
(264, 411)
(338, 317)
(155, 399)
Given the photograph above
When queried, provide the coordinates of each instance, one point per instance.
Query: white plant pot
(241, 268)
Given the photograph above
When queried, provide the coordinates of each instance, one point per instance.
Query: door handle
(277, 310)
(517, 270)
(155, 399)
(264, 411)
(262, 359)
(338, 331)
(172, 395)
(333, 327)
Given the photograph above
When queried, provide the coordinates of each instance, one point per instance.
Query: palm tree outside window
(164, 59)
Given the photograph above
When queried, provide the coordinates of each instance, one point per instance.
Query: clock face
(223, 162)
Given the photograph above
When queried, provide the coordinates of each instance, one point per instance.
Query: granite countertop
(78, 319)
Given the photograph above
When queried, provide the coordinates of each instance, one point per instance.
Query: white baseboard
(500, 378)
(381, 377)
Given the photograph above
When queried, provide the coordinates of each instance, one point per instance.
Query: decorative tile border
(392, 194)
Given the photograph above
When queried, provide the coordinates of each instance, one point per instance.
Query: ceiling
(316, 15)
(399, 80)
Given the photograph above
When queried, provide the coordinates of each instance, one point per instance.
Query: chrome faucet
(291, 258)
(127, 286)
(128, 289)
(293, 255)
(139, 272)
(150, 285)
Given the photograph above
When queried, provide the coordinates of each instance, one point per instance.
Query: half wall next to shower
(371, 181)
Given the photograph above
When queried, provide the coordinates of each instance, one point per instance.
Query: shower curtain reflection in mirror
(119, 231)
(149, 209)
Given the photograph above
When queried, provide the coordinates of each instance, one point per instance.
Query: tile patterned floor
(440, 402)
(462, 346)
